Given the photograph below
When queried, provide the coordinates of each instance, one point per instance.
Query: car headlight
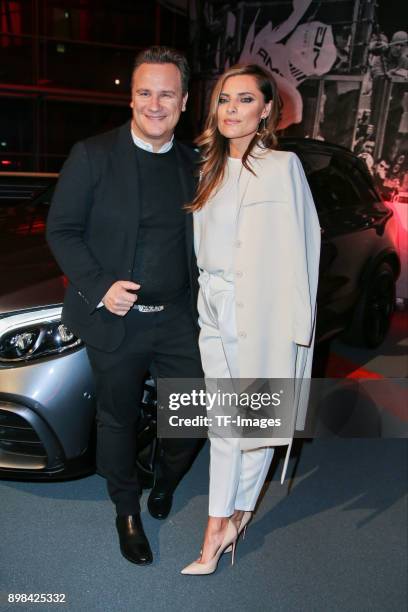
(29, 335)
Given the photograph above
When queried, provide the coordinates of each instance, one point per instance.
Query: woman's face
(241, 107)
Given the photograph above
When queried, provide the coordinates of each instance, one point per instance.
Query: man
(380, 175)
(118, 229)
(367, 146)
(390, 61)
(365, 142)
(391, 58)
(365, 151)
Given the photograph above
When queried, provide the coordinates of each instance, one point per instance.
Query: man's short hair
(165, 55)
(399, 38)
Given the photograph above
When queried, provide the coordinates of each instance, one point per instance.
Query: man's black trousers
(166, 343)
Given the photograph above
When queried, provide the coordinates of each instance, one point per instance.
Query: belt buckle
(143, 308)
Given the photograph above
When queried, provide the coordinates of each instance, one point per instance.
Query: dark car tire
(372, 316)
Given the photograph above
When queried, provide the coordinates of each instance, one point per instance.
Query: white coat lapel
(266, 185)
(243, 184)
(247, 182)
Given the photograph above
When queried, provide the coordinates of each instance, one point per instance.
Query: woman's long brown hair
(214, 147)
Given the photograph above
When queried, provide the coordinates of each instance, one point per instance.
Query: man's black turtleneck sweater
(160, 262)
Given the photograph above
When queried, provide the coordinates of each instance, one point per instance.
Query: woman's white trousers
(236, 476)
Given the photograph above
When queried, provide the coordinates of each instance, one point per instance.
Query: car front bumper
(47, 412)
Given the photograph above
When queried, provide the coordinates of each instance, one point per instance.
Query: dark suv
(47, 401)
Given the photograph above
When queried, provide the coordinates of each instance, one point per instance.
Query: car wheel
(372, 316)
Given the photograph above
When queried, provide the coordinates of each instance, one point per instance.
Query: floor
(333, 537)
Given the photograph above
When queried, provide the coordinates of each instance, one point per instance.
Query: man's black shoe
(134, 545)
(159, 502)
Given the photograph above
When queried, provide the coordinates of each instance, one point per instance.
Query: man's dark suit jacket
(93, 224)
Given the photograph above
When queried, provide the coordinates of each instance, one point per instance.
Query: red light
(6, 162)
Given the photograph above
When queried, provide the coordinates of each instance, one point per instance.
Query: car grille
(17, 436)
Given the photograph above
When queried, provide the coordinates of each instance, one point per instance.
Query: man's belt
(146, 308)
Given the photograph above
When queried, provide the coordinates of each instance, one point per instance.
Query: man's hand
(119, 299)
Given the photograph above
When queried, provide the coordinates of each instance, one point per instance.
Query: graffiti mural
(292, 52)
(331, 59)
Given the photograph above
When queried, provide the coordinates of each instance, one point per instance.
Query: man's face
(382, 169)
(368, 146)
(157, 101)
(397, 49)
(370, 130)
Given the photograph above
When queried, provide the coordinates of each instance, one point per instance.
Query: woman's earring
(261, 127)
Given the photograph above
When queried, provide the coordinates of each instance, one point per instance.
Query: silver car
(46, 392)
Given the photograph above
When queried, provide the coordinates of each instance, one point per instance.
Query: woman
(257, 240)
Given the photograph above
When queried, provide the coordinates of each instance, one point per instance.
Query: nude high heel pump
(202, 569)
(246, 517)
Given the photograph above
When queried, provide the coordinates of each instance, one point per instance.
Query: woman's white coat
(276, 264)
